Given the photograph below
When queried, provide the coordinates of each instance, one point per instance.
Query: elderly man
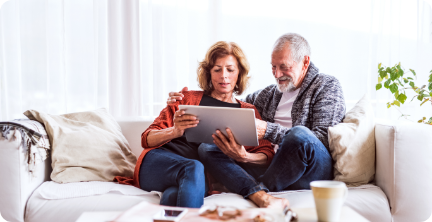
(296, 113)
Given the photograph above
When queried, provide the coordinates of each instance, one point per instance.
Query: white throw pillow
(352, 145)
(86, 146)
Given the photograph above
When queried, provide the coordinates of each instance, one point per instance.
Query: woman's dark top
(180, 145)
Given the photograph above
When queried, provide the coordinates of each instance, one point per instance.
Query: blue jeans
(301, 158)
(181, 180)
(237, 177)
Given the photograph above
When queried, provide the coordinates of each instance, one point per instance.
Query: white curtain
(62, 56)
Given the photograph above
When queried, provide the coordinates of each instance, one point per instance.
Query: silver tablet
(240, 121)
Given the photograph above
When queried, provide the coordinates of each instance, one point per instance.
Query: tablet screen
(240, 121)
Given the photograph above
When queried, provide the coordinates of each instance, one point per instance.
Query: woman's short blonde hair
(219, 50)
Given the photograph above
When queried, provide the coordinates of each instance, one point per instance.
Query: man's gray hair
(299, 46)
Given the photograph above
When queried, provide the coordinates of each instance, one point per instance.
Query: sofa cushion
(51, 190)
(367, 200)
(86, 146)
(352, 145)
(69, 210)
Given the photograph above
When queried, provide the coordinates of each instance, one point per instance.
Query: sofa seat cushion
(367, 200)
(68, 210)
(51, 190)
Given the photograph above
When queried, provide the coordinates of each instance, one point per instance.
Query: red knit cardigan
(165, 120)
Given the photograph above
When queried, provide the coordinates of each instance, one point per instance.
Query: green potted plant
(397, 81)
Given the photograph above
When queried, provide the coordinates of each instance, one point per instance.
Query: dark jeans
(301, 158)
(181, 180)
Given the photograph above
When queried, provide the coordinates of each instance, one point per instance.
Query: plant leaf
(410, 78)
(378, 86)
(387, 83)
(393, 87)
(401, 72)
(379, 79)
(397, 103)
(420, 121)
(402, 98)
(393, 75)
(382, 74)
(388, 105)
(396, 94)
(405, 80)
(420, 97)
(413, 72)
(412, 84)
(379, 66)
(430, 86)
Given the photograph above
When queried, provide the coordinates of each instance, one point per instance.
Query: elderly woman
(169, 163)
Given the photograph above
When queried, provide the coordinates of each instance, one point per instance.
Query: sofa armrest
(17, 184)
(403, 168)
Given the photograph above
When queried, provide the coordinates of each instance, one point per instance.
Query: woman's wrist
(158, 137)
(255, 158)
(244, 157)
(261, 128)
(176, 132)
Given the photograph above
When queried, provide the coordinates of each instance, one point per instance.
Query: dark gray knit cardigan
(319, 105)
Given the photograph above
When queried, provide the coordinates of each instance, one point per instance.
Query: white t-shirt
(283, 111)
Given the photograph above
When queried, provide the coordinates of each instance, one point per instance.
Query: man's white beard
(289, 87)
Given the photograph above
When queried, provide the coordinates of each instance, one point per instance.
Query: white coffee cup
(329, 197)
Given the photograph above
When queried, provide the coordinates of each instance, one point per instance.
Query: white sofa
(402, 189)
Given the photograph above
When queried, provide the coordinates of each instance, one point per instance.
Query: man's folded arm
(275, 132)
(328, 110)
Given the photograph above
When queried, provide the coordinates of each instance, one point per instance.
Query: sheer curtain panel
(61, 56)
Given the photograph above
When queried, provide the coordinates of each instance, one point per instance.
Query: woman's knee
(169, 196)
(195, 167)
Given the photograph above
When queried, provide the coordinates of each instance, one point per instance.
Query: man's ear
(306, 62)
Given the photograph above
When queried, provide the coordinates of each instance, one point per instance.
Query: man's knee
(298, 139)
(299, 135)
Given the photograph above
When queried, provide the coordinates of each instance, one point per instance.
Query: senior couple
(292, 119)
